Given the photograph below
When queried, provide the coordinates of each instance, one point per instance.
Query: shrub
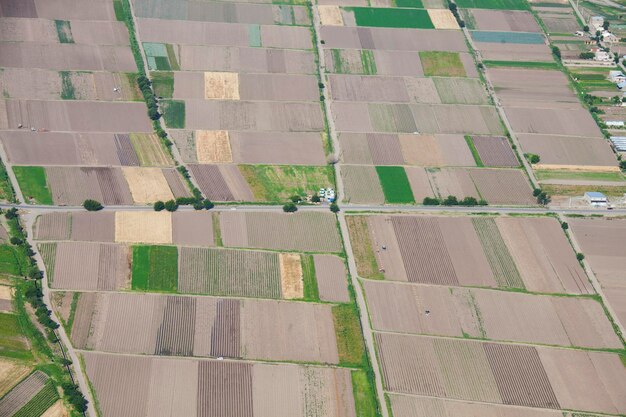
(315, 198)
(580, 256)
(170, 205)
(197, 206)
(543, 198)
(207, 204)
(92, 205)
(564, 226)
(586, 28)
(469, 201)
(186, 201)
(622, 165)
(334, 207)
(556, 52)
(450, 201)
(11, 213)
(159, 205)
(586, 55)
(482, 202)
(290, 208)
(536, 192)
(532, 158)
(16, 241)
(295, 199)
(431, 201)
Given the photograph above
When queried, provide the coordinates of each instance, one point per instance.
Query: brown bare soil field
(520, 376)
(52, 226)
(278, 87)
(74, 10)
(503, 186)
(603, 372)
(385, 149)
(495, 151)
(175, 183)
(452, 181)
(368, 88)
(422, 90)
(19, 8)
(280, 330)
(213, 146)
(420, 184)
(72, 186)
(392, 39)
(78, 116)
(22, 393)
(221, 182)
(10, 374)
(409, 406)
(30, 83)
(224, 389)
(291, 275)
(361, 184)
(330, 272)
(27, 30)
(303, 231)
(443, 19)
(99, 33)
(599, 240)
(192, 228)
(66, 57)
(533, 88)
(543, 255)
(294, 148)
(514, 52)
(389, 260)
(226, 333)
(98, 227)
(505, 20)
(221, 85)
(229, 272)
(568, 150)
(147, 185)
(574, 122)
(143, 227)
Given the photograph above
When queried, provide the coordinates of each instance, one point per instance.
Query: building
(619, 143)
(614, 123)
(596, 23)
(603, 56)
(596, 199)
(617, 76)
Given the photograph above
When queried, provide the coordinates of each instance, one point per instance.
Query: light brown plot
(213, 146)
(221, 85)
(11, 372)
(291, 275)
(143, 227)
(443, 19)
(147, 185)
(330, 15)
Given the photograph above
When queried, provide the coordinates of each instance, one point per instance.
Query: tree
(556, 52)
(290, 208)
(92, 205)
(543, 198)
(622, 165)
(334, 207)
(159, 206)
(469, 201)
(580, 256)
(315, 198)
(11, 213)
(586, 28)
(16, 241)
(450, 201)
(431, 201)
(532, 158)
(482, 202)
(606, 24)
(295, 199)
(207, 204)
(171, 205)
(586, 55)
(564, 226)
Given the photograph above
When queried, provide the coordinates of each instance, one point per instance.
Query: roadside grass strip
(395, 183)
(173, 113)
(392, 18)
(276, 183)
(442, 64)
(33, 183)
(364, 394)
(155, 268)
(521, 64)
(494, 4)
(527, 38)
(475, 154)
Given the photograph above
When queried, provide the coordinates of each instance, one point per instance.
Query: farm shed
(595, 198)
(619, 142)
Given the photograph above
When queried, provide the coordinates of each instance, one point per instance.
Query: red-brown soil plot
(495, 151)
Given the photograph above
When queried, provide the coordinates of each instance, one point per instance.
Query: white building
(603, 56)
(596, 199)
(617, 76)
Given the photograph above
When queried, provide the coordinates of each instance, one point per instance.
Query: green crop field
(277, 183)
(392, 18)
(494, 4)
(12, 342)
(174, 113)
(43, 400)
(615, 176)
(33, 183)
(311, 292)
(521, 64)
(67, 88)
(395, 183)
(155, 268)
(64, 31)
(414, 4)
(9, 262)
(349, 336)
(163, 84)
(368, 62)
(442, 64)
(6, 189)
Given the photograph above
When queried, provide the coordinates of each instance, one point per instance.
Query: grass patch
(155, 268)
(349, 336)
(494, 4)
(311, 292)
(395, 183)
(470, 144)
(392, 18)
(579, 175)
(33, 183)
(9, 262)
(217, 231)
(118, 8)
(70, 319)
(67, 88)
(162, 63)
(579, 190)
(131, 85)
(364, 395)
(64, 31)
(366, 265)
(338, 62)
(163, 84)
(442, 64)
(415, 4)
(276, 183)
(368, 62)
(171, 56)
(173, 113)
(521, 64)
(12, 342)
(43, 400)
(150, 150)
(6, 189)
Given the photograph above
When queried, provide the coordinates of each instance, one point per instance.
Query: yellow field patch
(149, 150)
(213, 146)
(147, 185)
(221, 86)
(330, 15)
(443, 19)
(57, 410)
(291, 276)
(143, 227)
(6, 293)
(592, 168)
(11, 373)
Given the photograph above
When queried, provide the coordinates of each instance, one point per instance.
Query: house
(603, 56)
(614, 123)
(596, 23)
(596, 199)
(617, 76)
(609, 37)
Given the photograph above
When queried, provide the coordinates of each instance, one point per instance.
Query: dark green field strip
(155, 268)
(174, 113)
(311, 291)
(392, 18)
(349, 335)
(33, 183)
(521, 64)
(395, 183)
(43, 400)
(64, 31)
(9, 263)
(414, 4)
(494, 4)
(475, 154)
